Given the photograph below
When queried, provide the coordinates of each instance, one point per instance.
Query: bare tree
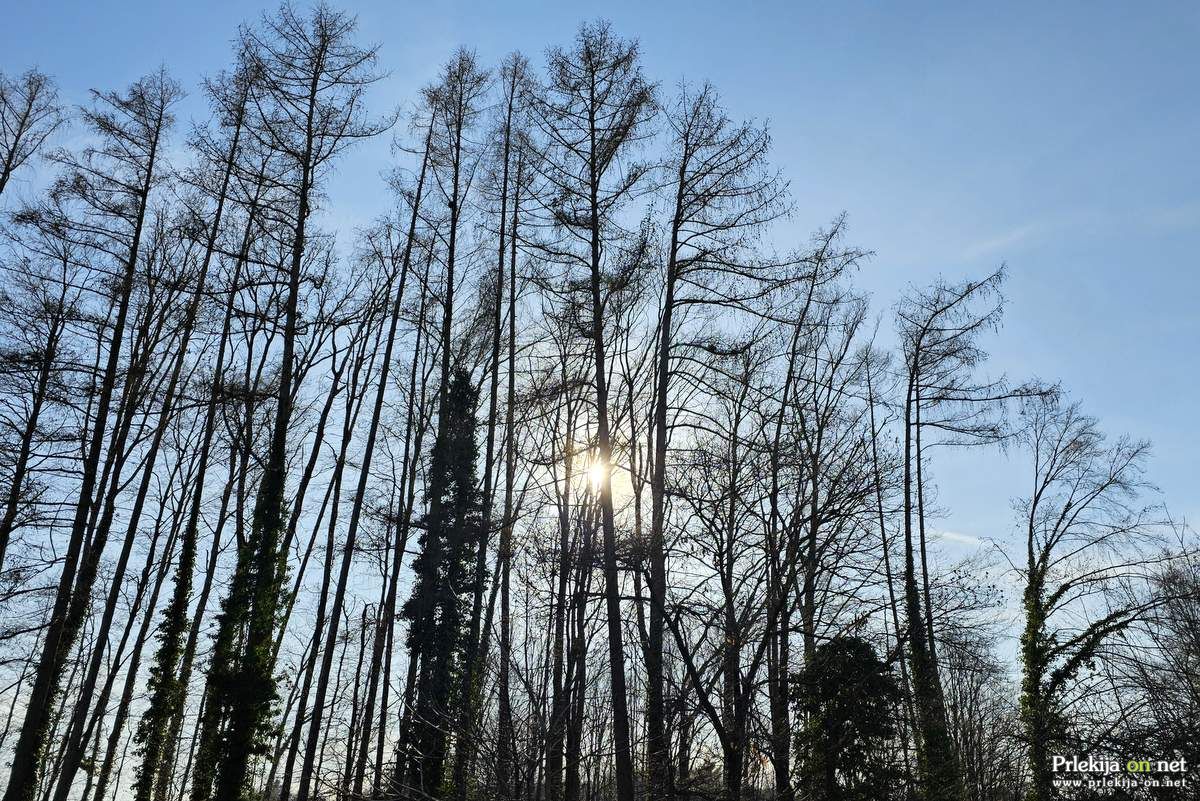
(723, 198)
(454, 106)
(112, 185)
(404, 257)
(594, 109)
(41, 300)
(939, 330)
(29, 116)
(309, 101)
(1088, 547)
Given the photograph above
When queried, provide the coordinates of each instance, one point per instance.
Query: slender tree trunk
(75, 582)
(412, 448)
(577, 672)
(76, 739)
(778, 619)
(356, 509)
(358, 776)
(920, 459)
(351, 734)
(732, 755)
(262, 567)
(506, 748)
(936, 759)
(560, 709)
(657, 742)
(612, 580)
(37, 401)
(173, 710)
(463, 755)
(389, 608)
(893, 605)
(168, 694)
(308, 766)
(135, 660)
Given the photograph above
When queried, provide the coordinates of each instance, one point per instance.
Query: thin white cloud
(997, 245)
(959, 537)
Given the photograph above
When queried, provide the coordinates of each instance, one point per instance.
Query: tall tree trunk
(76, 739)
(612, 580)
(389, 605)
(778, 619)
(506, 747)
(560, 709)
(920, 459)
(577, 672)
(352, 407)
(355, 705)
(174, 706)
(169, 689)
(657, 741)
(893, 604)
(470, 696)
(356, 509)
(75, 583)
(937, 763)
(135, 660)
(37, 401)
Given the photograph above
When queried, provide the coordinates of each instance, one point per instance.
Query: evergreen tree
(849, 696)
(444, 584)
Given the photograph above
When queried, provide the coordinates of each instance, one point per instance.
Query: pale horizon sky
(1059, 139)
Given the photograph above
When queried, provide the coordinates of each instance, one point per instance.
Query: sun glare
(597, 472)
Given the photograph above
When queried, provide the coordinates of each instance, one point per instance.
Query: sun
(597, 472)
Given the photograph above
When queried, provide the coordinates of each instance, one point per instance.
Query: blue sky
(1058, 138)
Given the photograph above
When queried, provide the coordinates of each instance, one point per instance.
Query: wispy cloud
(959, 537)
(1180, 216)
(998, 244)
